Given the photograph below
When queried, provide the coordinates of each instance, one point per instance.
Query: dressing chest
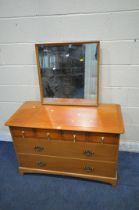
(68, 140)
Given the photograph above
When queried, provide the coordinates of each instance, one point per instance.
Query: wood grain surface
(106, 118)
(81, 150)
(68, 165)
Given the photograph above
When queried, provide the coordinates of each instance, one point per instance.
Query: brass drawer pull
(22, 133)
(48, 136)
(102, 140)
(88, 169)
(74, 138)
(41, 164)
(38, 148)
(88, 153)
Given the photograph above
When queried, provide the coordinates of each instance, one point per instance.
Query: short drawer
(68, 165)
(22, 132)
(81, 150)
(48, 134)
(103, 138)
(74, 136)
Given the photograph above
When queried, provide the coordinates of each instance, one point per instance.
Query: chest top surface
(104, 118)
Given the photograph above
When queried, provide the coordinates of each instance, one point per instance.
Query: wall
(114, 23)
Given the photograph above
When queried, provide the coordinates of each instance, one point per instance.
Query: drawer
(48, 134)
(33, 132)
(103, 138)
(22, 132)
(81, 150)
(68, 165)
(74, 136)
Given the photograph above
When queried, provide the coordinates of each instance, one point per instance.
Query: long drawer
(68, 165)
(49, 134)
(81, 150)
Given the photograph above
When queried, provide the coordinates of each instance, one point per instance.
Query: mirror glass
(68, 73)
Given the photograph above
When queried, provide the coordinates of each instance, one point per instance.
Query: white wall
(114, 23)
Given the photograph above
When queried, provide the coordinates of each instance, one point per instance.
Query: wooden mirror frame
(69, 101)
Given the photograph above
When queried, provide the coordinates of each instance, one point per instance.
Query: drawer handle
(88, 169)
(48, 136)
(38, 148)
(41, 164)
(88, 153)
(23, 132)
(102, 140)
(74, 138)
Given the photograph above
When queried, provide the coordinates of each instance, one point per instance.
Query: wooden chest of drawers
(66, 140)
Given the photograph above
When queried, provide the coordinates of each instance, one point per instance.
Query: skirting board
(5, 136)
(130, 146)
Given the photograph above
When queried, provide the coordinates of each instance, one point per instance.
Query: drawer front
(103, 138)
(33, 132)
(48, 134)
(81, 150)
(68, 165)
(74, 136)
(22, 132)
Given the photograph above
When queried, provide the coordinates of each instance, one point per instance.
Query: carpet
(49, 192)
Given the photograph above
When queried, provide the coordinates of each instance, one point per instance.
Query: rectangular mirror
(69, 73)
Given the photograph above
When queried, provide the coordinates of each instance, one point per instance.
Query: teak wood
(68, 140)
(68, 165)
(106, 152)
(106, 118)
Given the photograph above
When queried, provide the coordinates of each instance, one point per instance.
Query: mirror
(69, 73)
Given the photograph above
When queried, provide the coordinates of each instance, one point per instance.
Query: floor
(47, 192)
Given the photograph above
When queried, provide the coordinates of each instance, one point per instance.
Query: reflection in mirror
(68, 73)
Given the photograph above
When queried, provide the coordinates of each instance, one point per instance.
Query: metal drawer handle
(74, 138)
(88, 153)
(88, 169)
(22, 133)
(38, 148)
(41, 164)
(48, 136)
(102, 140)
